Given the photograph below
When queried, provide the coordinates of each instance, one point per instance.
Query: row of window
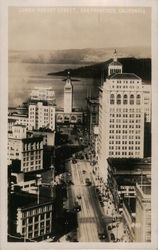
(125, 99)
(124, 137)
(124, 148)
(123, 153)
(124, 110)
(125, 86)
(38, 233)
(124, 126)
(36, 218)
(32, 163)
(126, 115)
(27, 169)
(32, 146)
(131, 81)
(37, 211)
(124, 142)
(125, 131)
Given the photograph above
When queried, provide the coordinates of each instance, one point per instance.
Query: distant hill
(141, 67)
(75, 56)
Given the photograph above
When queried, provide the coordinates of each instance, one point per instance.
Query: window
(138, 100)
(131, 99)
(36, 227)
(42, 216)
(42, 225)
(112, 99)
(118, 99)
(36, 218)
(47, 215)
(125, 101)
(23, 222)
(30, 220)
(30, 228)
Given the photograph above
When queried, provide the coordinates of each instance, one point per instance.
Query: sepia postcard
(79, 91)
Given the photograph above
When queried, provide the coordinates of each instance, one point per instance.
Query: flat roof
(27, 201)
(124, 76)
(130, 163)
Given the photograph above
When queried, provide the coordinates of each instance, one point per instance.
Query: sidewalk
(109, 209)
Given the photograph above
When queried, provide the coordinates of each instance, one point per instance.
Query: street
(91, 219)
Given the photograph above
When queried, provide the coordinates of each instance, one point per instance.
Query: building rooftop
(33, 138)
(26, 200)
(115, 63)
(128, 162)
(124, 76)
(20, 125)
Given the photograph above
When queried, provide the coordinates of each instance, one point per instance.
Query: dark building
(92, 113)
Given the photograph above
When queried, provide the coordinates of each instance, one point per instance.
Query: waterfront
(23, 77)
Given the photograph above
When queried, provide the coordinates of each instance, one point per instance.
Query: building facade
(121, 117)
(147, 102)
(69, 118)
(35, 221)
(17, 119)
(43, 94)
(29, 150)
(92, 113)
(143, 213)
(41, 115)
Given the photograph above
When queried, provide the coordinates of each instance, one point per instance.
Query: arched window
(118, 99)
(125, 101)
(112, 99)
(131, 99)
(138, 100)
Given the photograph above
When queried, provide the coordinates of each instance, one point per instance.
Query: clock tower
(68, 95)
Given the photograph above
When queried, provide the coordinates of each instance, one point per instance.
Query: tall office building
(121, 116)
(42, 115)
(27, 149)
(68, 95)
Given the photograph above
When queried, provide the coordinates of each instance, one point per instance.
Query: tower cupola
(115, 66)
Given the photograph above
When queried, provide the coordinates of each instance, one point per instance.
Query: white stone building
(41, 116)
(17, 119)
(29, 150)
(121, 117)
(147, 102)
(43, 94)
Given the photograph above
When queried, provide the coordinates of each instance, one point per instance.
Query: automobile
(74, 161)
(88, 182)
(102, 204)
(81, 157)
(112, 236)
(97, 190)
(77, 207)
(102, 235)
(70, 182)
(109, 228)
(99, 198)
(106, 200)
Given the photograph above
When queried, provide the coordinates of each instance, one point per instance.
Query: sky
(78, 28)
